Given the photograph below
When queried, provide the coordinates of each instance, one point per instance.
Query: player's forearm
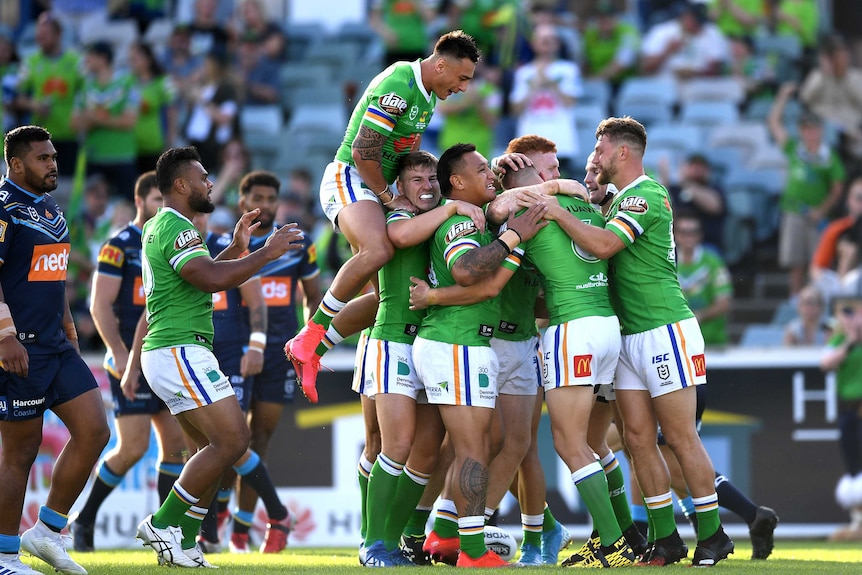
(479, 263)
(412, 232)
(253, 298)
(134, 361)
(597, 241)
(107, 324)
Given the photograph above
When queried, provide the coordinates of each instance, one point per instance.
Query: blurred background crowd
(753, 110)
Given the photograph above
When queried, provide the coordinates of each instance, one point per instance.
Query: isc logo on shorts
(49, 263)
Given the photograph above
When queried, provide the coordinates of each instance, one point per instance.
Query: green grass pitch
(789, 558)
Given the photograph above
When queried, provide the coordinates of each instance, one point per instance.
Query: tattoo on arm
(473, 481)
(369, 144)
(480, 262)
(257, 319)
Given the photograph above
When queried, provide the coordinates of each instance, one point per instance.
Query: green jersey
(55, 80)
(809, 176)
(471, 325)
(395, 320)
(396, 105)
(644, 288)
(406, 22)
(703, 280)
(847, 374)
(155, 95)
(109, 145)
(518, 304)
(177, 312)
(575, 282)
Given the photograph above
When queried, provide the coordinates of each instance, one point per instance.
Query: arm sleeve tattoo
(481, 262)
(369, 144)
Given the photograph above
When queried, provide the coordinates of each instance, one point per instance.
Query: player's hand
(399, 202)
(514, 162)
(473, 212)
(130, 382)
(243, 229)
(121, 358)
(14, 356)
(530, 199)
(530, 222)
(251, 363)
(573, 188)
(286, 238)
(419, 294)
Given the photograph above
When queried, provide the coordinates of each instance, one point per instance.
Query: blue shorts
(277, 382)
(52, 380)
(229, 360)
(146, 402)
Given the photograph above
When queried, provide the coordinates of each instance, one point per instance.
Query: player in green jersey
(387, 122)
(662, 359)
(452, 352)
(411, 429)
(179, 279)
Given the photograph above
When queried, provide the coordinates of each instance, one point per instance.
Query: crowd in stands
(121, 81)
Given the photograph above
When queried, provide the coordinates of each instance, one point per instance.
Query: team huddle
(465, 256)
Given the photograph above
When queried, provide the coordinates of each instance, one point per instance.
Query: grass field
(790, 557)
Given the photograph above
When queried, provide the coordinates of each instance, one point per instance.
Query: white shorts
(185, 377)
(520, 371)
(389, 369)
(456, 374)
(583, 351)
(662, 360)
(358, 383)
(340, 186)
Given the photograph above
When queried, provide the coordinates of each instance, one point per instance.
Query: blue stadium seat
(684, 137)
(588, 116)
(648, 112)
(596, 91)
(653, 88)
(725, 89)
(748, 135)
(709, 113)
(762, 335)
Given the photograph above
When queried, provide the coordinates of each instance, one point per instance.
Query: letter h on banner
(828, 395)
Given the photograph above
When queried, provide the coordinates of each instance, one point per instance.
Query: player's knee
(236, 444)
(22, 454)
(377, 255)
(134, 450)
(99, 435)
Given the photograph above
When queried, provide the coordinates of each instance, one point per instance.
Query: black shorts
(145, 403)
(52, 380)
(277, 382)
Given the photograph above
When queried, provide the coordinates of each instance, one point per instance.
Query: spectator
(544, 95)
(9, 71)
(156, 128)
(207, 35)
(809, 326)
(252, 22)
(179, 61)
(472, 116)
(50, 81)
(756, 72)
(843, 355)
(798, 18)
(815, 177)
(826, 270)
(687, 46)
(478, 18)
(213, 115)
(703, 277)
(403, 27)
(301, 185)
(106, 112)
(833, 91)
(696, 191)
(737, 18)
(610, 46)
(234, 163)
(258, 74)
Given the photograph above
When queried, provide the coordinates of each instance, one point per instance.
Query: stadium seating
(686, 138)
(747, 135)
(726, 89)
(762, 335)
(709, 113)
(649, 88)
(588, 116)
(650, 113)
(596, 91)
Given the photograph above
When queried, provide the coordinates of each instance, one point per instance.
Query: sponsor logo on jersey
(16, 403)
(3, 408)
(405, 143)
(411, 329)
(460, 230)
(507, 327)
(699, 362)
(392, 103)
(583, 365)
(49, 263)
(596, 280)
(276, 290)
(3, 226)
(220, 301)
(423, 122)
(186, 239)
(111, 255)
(634, 204)
(486, 331)
(484, 381)
(312, 254)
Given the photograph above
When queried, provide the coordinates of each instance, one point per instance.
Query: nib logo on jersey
(596, 280)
